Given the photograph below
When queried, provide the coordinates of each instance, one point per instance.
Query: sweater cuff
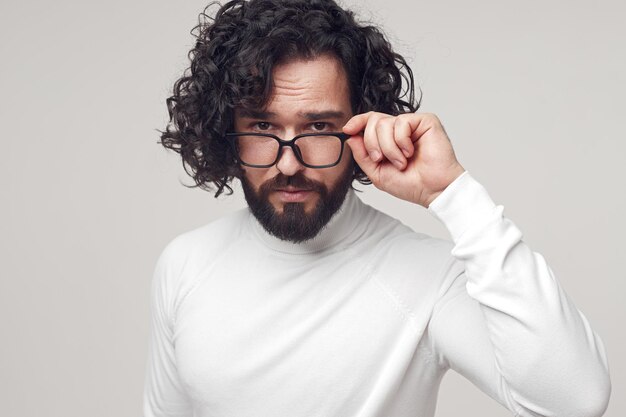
(463, 204)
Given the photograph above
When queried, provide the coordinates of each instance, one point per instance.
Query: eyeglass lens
(314, 150)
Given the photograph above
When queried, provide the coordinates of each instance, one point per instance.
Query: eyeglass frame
(289, 143)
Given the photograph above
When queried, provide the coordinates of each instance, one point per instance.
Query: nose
(288, 164)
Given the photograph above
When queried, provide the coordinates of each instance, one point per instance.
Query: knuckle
(389, 121)
(391, 150)
(370, 144)
(403, 140)
(369, 115)
(401, 125)
(433, 117)
(382, 128)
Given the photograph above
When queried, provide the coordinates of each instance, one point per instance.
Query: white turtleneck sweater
(365, 319)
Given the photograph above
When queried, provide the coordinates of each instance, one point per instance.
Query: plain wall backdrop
(531, 94)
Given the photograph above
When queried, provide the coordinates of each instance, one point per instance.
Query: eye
(262, 125)
(320, 126)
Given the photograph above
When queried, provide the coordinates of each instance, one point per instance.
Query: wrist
(463, 205)
(454, 175)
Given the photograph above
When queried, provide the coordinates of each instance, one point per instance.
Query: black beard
(294, 224)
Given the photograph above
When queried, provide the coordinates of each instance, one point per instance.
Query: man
(311, 303)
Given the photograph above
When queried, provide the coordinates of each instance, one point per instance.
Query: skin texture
(303, 91)
(409, 156)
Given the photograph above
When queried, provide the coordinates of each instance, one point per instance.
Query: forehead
(315, 84)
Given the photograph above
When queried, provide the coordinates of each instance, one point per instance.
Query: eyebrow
(328, 114)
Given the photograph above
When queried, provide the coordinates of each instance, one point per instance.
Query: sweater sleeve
(505, 323)
(163, 392)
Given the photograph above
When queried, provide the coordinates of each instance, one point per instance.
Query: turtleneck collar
(343, 227)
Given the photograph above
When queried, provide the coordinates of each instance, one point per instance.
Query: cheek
(254, 177)
(339, 172)
(347, 162)
(346, 157)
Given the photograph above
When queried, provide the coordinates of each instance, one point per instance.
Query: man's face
(291, 201)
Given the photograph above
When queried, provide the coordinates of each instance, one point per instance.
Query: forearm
(551, 360)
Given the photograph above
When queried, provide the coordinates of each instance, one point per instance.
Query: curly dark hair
(231, 67)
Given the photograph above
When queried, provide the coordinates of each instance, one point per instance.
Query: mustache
(297, 180)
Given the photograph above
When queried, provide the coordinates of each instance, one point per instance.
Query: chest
(316, 330)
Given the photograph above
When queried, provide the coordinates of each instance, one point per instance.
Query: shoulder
(401, 241)
(416, 266)
(191, 251)
(206, 239)
(429, 256)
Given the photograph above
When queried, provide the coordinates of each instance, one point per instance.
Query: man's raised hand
(409, 156)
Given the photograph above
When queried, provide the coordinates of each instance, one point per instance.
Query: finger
(357, 123)
(370, 138)
(387, 143)
(420, 123)
(402, 135)
(361, 156)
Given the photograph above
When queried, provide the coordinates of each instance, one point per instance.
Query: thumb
(361, 156)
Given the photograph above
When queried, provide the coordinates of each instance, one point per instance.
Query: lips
(293, 195)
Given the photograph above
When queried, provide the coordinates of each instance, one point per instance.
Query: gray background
(531, 94)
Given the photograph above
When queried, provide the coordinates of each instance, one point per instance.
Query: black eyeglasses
(313, 150)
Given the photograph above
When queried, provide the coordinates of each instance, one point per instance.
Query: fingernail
(406, 153)
(375, 155)
(398, 163)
